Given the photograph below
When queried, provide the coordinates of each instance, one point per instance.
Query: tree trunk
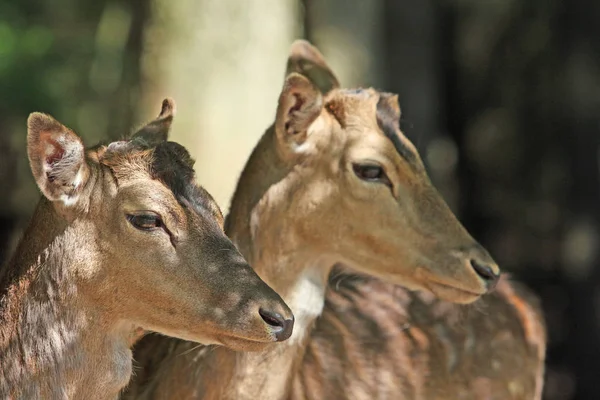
(223, 62)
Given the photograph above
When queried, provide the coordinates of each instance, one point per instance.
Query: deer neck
(54, 341)
(271, 245)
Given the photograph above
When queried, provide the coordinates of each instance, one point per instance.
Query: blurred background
(501, 97)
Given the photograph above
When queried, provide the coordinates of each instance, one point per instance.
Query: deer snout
(281, 326)
(487, 270)
(486, 273)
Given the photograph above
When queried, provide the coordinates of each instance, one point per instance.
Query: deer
(123, 241)
(335, 211)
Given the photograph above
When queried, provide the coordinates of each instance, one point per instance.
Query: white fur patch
(306, 300)
(68, 200)
(300, 148)
(78, 178)
(316, 126)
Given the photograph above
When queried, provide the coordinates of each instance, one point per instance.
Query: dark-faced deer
(122, 240)
(335, 182)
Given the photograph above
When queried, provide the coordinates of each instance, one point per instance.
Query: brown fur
(298, 211)
(376, 340)
(84, 282)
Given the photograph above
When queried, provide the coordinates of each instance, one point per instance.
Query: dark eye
(145, 222)
(371, 173)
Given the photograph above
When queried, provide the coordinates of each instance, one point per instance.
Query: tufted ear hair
(57, 159)
(300, 103)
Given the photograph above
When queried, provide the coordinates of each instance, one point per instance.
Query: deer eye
(371, 173)
(145, 222)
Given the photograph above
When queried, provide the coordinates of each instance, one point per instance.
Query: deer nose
(486, 272)
(280, 326)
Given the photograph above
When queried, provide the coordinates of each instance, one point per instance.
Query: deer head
(145, 243)
(357, 192)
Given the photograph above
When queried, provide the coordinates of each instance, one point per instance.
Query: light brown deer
(334, 181)
(122, 240)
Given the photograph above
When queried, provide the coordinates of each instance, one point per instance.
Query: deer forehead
(168, 175)
(375, 147)
(148, 195)
(359, 105)
(366, 115)
(125, 165)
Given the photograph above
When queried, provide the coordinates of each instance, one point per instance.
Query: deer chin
(244, 344)
(235, 342)
(447, 289)
(452, 294)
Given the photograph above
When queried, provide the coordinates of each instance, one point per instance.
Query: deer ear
(388, 108)
(305, 59)
(57, 158)
(157, 131)
(300, 103)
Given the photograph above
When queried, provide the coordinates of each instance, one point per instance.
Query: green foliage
(74, 60)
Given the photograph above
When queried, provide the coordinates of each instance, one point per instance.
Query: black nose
(281, 327)
(486, 273)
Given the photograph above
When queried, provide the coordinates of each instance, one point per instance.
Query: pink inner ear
(298, 103)
(53, 152)
(57, 152)
(56, 155)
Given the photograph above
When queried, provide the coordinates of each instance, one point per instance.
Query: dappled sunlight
(500, 99)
